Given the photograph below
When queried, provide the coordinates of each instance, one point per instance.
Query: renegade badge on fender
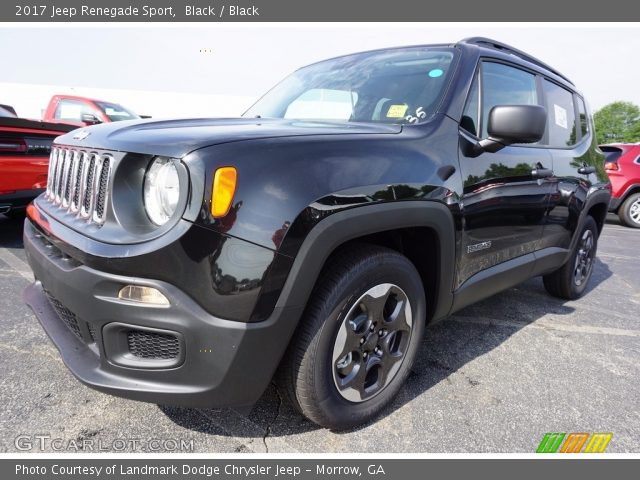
(191, 262)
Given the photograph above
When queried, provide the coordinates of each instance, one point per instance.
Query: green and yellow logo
(573, 442)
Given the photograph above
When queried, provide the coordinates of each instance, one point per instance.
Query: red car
(622, 164)
(82, 111)
(24, 159)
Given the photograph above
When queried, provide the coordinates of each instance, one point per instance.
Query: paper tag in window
(560, 115)
(397, 111)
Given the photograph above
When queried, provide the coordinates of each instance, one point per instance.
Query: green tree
(634, 133)
(617, 122)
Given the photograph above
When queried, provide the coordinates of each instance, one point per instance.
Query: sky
(242, 61)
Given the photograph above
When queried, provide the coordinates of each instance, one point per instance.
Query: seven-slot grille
(78, 182)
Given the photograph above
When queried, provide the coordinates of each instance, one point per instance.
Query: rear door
(576, 163)
(504, 203)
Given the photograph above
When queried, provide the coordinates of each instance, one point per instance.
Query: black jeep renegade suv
(193, 261)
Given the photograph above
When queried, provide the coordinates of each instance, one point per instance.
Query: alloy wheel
(584, 258)
(372, 342)
(634, 211)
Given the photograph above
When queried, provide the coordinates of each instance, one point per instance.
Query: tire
(570, 281)
(629, 211)
(369, 301)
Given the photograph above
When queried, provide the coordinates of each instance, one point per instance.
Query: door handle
(586, 170)
(541, 172)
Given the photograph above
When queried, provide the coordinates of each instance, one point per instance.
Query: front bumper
(18, 200)
(220, 362)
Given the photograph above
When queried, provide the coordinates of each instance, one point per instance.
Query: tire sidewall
(626, 211)
(399, 271)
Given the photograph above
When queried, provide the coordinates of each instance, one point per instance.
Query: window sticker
(560, 115)
(397, 111)
(436, 72)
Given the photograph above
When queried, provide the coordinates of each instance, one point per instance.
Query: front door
(505, 197)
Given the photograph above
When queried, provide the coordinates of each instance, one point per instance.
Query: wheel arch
(397, 225)
(617, 202)
(599, 213)
(596, 206)
(634, 188)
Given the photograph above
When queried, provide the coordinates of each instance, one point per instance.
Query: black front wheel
(358, 338)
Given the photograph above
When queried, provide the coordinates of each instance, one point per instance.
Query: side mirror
(90, 119)
(509, 124)
(517, 123)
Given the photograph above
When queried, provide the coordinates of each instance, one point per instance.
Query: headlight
(161, 190)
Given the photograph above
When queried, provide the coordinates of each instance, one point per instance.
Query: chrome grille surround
(78, 182)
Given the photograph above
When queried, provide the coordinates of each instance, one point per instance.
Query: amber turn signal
(224, 187)
(611, 166)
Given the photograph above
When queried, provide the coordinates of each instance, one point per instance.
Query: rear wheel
(358, 338)
(570, 281)
(629, 211)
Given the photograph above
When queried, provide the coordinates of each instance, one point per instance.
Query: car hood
(176, 138)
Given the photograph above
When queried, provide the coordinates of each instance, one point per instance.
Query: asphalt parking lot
(493, 378)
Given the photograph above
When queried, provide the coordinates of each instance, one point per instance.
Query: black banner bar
(316, 11)
(314, 469)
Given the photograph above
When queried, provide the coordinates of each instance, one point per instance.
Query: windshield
(116, 112)
(392, 86)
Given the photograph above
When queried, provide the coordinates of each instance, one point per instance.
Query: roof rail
(487, 42)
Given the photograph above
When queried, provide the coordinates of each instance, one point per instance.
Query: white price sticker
(560, 116)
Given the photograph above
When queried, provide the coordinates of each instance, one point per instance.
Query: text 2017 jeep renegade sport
(192, 261)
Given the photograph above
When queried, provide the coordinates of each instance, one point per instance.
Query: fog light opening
(140, 294)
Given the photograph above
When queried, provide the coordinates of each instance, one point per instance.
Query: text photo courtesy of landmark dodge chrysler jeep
(192, 262)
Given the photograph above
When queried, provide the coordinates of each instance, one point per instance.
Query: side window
(471, 118)
(72, 110)
(561, 117)
(584, 120)
(505, 85)
(323, 104)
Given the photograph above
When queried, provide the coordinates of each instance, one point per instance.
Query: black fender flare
(349, 224)
(598, 194)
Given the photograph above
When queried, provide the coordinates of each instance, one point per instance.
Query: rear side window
(561, 116)
(611, 154)
(584, 121)
(505, 85)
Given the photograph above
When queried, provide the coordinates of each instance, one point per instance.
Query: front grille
(103, 183)
(153, 345)
(79, 182)
(67, 316)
